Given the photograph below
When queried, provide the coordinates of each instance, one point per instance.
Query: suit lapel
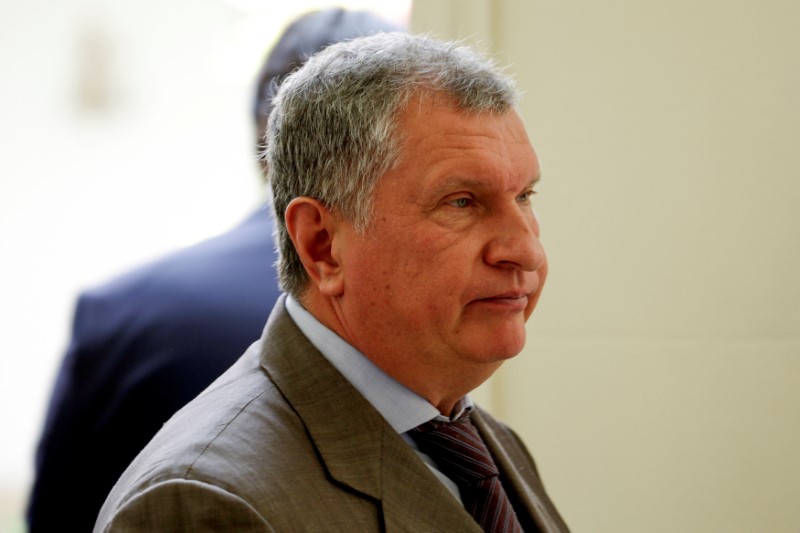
(344, 428)
(520, 479)
(356, 445)
(414, 500)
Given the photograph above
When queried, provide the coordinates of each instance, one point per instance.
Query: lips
(511, 295)
(507, 301)
(508, 295)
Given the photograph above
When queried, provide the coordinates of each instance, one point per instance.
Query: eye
(526, 196)
(461, 201)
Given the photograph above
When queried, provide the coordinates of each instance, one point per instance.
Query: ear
(312, 228)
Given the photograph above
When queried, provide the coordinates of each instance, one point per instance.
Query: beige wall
(660, 389)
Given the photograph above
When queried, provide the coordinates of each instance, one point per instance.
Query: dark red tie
(461, 455)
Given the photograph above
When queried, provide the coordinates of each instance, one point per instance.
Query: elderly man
(402, 180)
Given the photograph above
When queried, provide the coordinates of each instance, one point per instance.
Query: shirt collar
(402, 408)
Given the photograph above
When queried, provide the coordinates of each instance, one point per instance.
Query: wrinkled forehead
(434, 115)
(444, 145)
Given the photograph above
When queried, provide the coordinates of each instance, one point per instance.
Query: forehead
(442, 142)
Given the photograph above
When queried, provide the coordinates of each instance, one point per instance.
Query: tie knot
(457, 448)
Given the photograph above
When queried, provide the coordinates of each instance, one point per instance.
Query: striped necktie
(461, 455)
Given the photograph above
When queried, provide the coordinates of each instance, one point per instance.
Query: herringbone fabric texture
(461, 455)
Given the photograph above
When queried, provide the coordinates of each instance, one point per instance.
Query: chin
(500, 350)
(492, 341)
(510, 341)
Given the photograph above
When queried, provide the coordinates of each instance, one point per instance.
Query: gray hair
(333, 131)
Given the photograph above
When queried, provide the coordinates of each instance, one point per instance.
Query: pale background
(661, 387)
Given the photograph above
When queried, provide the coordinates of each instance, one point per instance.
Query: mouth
(509, 302)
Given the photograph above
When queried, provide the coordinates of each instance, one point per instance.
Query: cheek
(376, 274)
(413, 265)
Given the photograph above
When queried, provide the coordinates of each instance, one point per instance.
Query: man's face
(450, 266)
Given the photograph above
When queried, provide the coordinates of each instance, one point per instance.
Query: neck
(442, 387)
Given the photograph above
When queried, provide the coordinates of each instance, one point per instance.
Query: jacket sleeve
(182, 506)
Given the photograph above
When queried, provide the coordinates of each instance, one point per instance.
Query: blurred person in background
(147, 342)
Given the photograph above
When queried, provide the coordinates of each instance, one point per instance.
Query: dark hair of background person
(148, 341)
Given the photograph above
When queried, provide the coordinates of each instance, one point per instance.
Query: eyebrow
(457, 183)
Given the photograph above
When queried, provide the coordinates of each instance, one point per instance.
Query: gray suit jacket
(283, 442)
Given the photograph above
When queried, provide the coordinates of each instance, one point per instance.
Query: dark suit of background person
(149, 341)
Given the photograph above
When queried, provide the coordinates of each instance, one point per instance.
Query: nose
(514, 240)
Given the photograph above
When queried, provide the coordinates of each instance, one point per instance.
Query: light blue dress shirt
(402, 408)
